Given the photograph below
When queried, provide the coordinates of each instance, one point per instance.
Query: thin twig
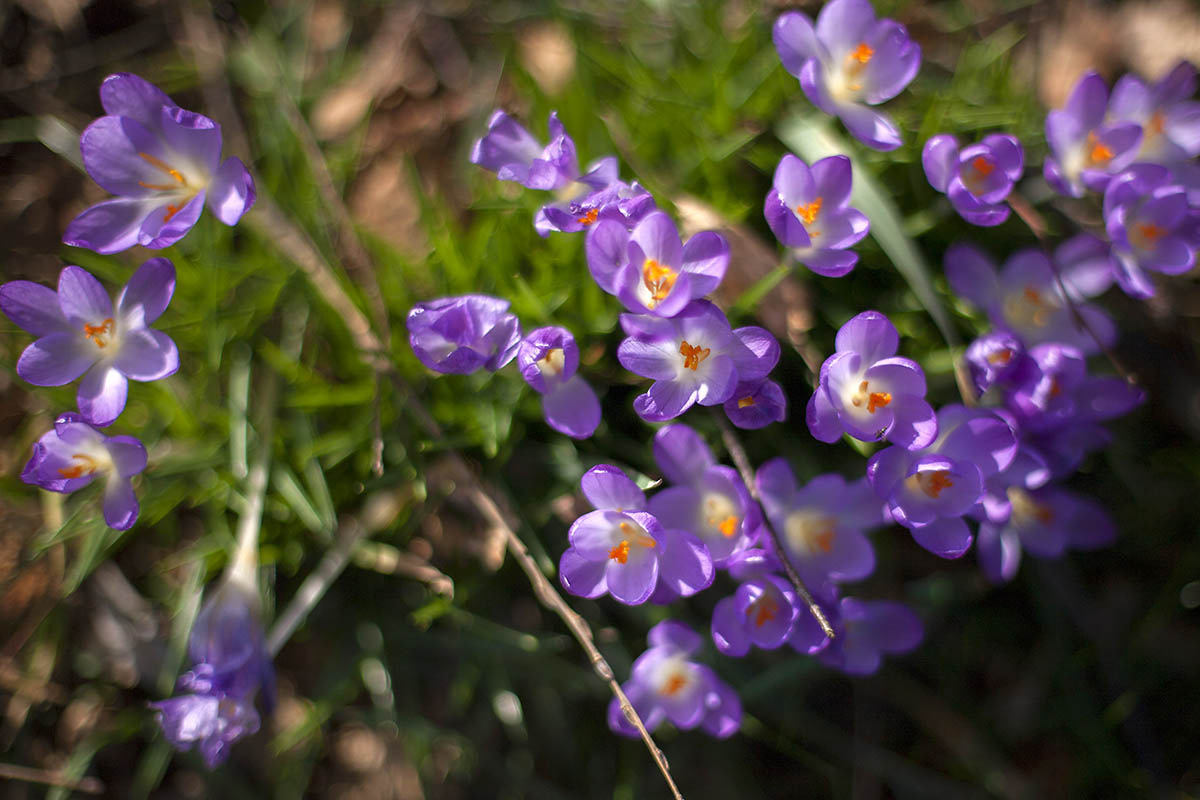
(88, 785)
(738, 454)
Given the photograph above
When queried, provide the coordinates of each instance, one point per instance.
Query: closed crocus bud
(462, 334)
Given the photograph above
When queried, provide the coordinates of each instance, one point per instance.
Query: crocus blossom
(866, 631)
(549, 359)
(462, 334)
(1086, 147)
(693, 357)
(848, 61)
(977, 178)
(73, 454)
(869, 392)
(666, 685)
(1169, 117)
(623, 551)
(761, 612)
(80, 331)
(756, 404)
(809, 211)
(1149, 223)
(617, 201)
(229, 666)
(163, 163)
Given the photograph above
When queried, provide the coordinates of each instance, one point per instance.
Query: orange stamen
(171, 211)
(97, 332)
(877, 400)
(728, 526)
(823, 540)
(1098, 153)
(764, 608)
(659, 279)
(620, 553)
(588, 218)
(808, 213)
(162, 166)
(745, 402)
(673, 685)
(983, 166)
(1151, 232)
(862, 54)
(937, 482)
(1001, 356)
(1158, 121)
(693, 355)
(85, 465)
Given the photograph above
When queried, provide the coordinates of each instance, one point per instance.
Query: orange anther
(1001, 356)
(1098, 153)
(745, 402)
(877, 400)
(763, 609)
(658, 279)
(693, 355)
(97, 332)
(728, 526)
(171, 211)
(983, 166)
(673, 685)
(1151, 232)
(823, 540)
(1158, 121)
(937, 481)
(808, 213)
(588, 218)
(162, 166)
(85, 465)
(862, 54)
(620, 553)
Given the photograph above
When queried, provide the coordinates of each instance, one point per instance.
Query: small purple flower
(650, 269)
(928, 491)
(80, 331)
(762, 612)
(1086, 148)
(998, 359)
(514, 155)
(229, 665)
(163, 163)
(1045, 522)
(809, 211)
(1025, 298)
(1169, 118)
(548, 359)
(617, 201)
(865, 390)
(1148, 220)
(976, 178)
(73, 454)
(693, 357)
(756, 404)
(665, 684)
(626, 552)
(705, 498)
(849, 59)
(868, 629)
(822, 524)
(461, 334)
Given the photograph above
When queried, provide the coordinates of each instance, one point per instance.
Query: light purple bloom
(163, 163)
(462, 334)
(79, 331)
(756, 404)
(976, 178)
(849, 58)
(650, 269)
(1148, 221)
(822, 524)
(229, 665)
(1025, 297)
(1169, 118)
(548, 359)
(511, 152)
(616, 201)
(625, 552)
(73, 454)
(666, 685)
(998, 359)
(928, 491)
(1060, 393)
(809, 211)
(762, 612)
(868, 629)
(705, 498)
(1045, 522)
(867, 391)
(693, 357)
(1086, 149)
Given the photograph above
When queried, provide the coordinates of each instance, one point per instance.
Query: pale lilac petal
(147, 355)
(102, 394)
(56, 360)
(874, 129)
(897, 375)
(127, 95)
(759, 356)
(82, 298)
(948, 537)
(117, 153)
(830, 262)
(832, 178)
(783, 222)
(705, 259)
(914, 424)
(659, 240)
(822, 418)
(794, 182)
(724, 709)
(633, 582)
(896, 61)
(681, 454)
(871, 335)
(120, 505)
(657, 359)
(842, 24)
(580, 576)
(796, 41)
(674, 635)
(33, 307)
(110, 226)
(128, 455)
(755, 405)
(728, 633)
(971, 274)
(684, 563)
(667, 399)
(231, 192)
(148, 293)
(193, 136)
(939, 157)
(998, 549)
(167, 224)
(592, 534)
(608, 487)
(606, 245)
(839, 229)
(572, 408)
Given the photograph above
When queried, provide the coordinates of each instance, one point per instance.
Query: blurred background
(429, 670)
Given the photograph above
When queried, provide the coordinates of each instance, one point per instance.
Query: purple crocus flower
(229, 665)
(866, 630)
(548, 359)
(1087, 149)
(998, 359)
(849, 58)
(976, 178)
(80, 331)
(756, 404)
(928, 491)
(693, 357)
(73, 454)
(1046, 522)
(626, 552)
(809, 211)
(650, 269)
(1147, 217)
(163, 163)
(624, 203)
(867, 391)
(1169, 118)
(762, 612)
(705, 498)
(823, 524)
(666, 684)
(461, 334)
(511, 152)
(1025, 298)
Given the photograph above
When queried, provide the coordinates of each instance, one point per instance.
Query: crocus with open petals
(809, 211)
(73, 454)
(549, 361)
(977, 178)
(80, 331)
(1087, 148)
(1169, 117)
(867, 629)
(163, 163)
(1150, 225)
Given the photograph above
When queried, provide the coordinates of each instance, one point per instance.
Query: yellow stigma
(931, 483)
(673, 685)
(983, 166)
(84, 465)
(693, 355)
(658, 279)
(808, 213)
(763, 609)
(163, 167)
(98, 333)
(1098, 152)
(620, 553)
(588, 218)
(862, 54)
(874, 400)
(745, 402)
